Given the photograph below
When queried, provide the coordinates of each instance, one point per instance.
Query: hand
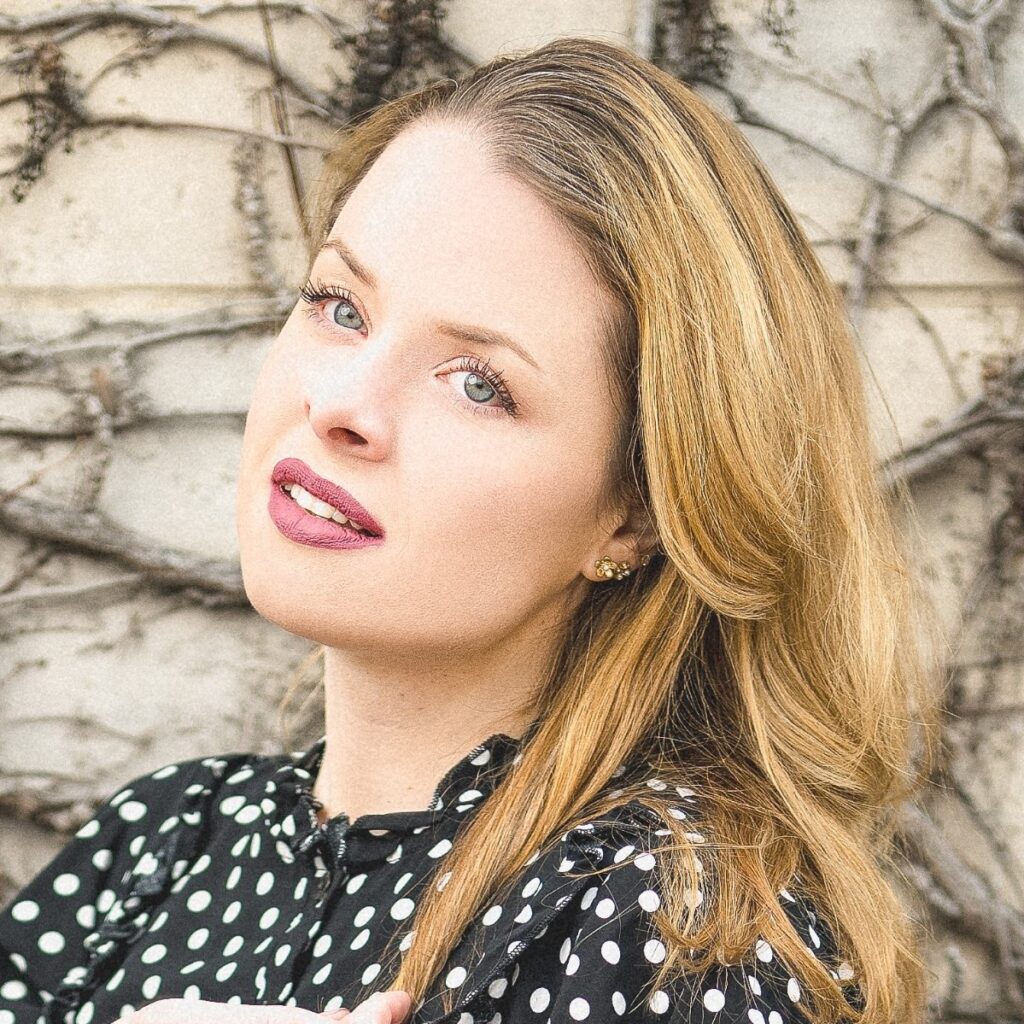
(391, 1007)
(381, 1008)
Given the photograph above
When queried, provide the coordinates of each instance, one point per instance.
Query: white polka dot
(579, 1009)
(658, 1001)
(249, 813)
(573, 965)
(402, 908)
(531, 887)
(763, 951)
(225, 971)
(269, 917)
(440, 849)
(234, 876)
(755, 1016)
(86, 917)
(66, 884)
(198, 938)
(322, 945)
(355, 883)
(645, 861)
(51, 942)
(25, 910)
(151, 986)
(775, 1017)
(497, 988)
(455, 977)
(282, 954)
(588, 897)
(610, 951)
(88, 830)
(619, 1003)
(321, 976)
(654, 950)
(102, 859)
(154, 953)
(360, 940)
(605, 907)
(845, 971)
(793, 989)
(132, 810)
(714, 999)
(233, 945)
(539, 999)
(196, 965)
(13, 989)
(814, 936)
(198, 901)
(649, 900)
(492, 915)
(265, 883)
(755, 985)
(363, 916)
(84, 1015)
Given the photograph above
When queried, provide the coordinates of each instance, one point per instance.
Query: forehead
(432, 216)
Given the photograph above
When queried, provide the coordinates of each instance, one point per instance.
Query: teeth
(320, 508)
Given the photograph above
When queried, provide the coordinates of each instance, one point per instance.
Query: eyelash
(314, 293)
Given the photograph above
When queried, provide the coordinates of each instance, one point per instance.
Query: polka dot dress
(214, 879)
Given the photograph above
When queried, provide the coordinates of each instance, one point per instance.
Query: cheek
(527, 506)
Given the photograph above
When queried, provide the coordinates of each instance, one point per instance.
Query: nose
(344, 402)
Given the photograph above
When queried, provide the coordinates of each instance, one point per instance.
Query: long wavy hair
(770, 656)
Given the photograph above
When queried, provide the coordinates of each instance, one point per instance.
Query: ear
(631, 536)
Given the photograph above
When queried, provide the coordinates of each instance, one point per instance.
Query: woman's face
(486, 490)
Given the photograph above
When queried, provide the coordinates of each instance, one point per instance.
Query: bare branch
(91, 532)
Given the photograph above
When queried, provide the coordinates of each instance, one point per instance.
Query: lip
(300, 525)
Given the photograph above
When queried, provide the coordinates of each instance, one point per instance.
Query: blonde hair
(767, 657)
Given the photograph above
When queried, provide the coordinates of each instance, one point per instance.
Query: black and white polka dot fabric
(213, 879)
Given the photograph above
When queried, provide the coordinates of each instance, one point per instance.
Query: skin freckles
(436, 638)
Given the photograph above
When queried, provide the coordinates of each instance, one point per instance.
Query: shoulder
(147, 810)
(598, 959)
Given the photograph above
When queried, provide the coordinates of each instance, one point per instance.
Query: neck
(392, 732)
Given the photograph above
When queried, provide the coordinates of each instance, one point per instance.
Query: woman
(618, 661)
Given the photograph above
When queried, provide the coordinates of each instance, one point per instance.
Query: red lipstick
(305, 527)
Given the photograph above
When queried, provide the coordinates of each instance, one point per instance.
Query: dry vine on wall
(400, 45)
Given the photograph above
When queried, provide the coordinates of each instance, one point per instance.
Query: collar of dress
(290, 808)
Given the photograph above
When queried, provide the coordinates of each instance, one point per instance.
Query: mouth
(320, 497)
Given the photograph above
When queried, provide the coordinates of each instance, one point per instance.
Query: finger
(389, 1007)
(401, 1003)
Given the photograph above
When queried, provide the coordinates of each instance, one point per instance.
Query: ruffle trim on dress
(292, 812)
(146, 883)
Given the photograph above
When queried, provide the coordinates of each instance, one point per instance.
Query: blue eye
(318, 294)
(481, 377)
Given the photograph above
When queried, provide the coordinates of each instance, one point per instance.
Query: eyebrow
(459, 331)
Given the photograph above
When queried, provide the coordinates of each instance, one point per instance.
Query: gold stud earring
(609, 568)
